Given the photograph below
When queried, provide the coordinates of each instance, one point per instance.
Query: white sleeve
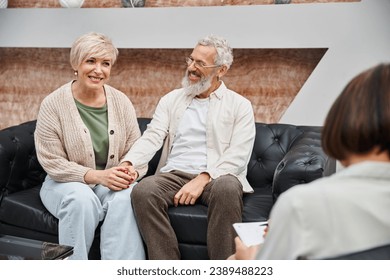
(286, 234)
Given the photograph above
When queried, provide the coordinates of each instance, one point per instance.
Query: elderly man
(207, 132)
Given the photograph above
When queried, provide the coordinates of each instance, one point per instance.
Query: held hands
(119, 178)
(115, 178)
(130, 170)
(191, 191)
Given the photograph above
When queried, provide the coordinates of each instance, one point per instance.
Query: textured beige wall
(270, 78)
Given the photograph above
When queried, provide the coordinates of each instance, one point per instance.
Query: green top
(96, 120)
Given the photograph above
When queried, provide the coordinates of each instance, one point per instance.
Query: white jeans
(79, 210)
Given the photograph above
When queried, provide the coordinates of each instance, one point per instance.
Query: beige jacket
(63, 143)
(230, 133)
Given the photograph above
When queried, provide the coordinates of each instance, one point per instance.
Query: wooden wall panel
(157, 3)
(183, 3)
(269, 78)
(56, 4)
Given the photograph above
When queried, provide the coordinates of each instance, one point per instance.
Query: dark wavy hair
(359, 119)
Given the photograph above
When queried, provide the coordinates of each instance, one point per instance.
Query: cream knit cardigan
(63, 142)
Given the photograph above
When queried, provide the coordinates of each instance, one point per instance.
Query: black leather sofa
(283, 156)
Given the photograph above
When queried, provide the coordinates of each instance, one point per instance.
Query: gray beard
(195, 89)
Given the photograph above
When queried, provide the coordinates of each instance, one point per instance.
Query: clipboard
(251, 233)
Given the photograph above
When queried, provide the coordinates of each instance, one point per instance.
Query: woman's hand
(244, 252)
(266, 230)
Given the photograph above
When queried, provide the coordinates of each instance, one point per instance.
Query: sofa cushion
(189, 223)
(24, 209)
(193, 251)
(257, 205)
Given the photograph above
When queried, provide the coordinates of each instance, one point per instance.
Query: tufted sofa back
(19, 166)
(272, 143)
(304, 162)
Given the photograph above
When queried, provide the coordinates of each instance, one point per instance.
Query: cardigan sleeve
(49, 142)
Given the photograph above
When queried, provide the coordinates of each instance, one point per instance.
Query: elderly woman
(84, 128)
(346, 212)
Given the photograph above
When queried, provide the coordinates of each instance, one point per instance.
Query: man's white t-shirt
(189, 152)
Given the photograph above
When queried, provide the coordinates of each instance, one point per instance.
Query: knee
(142, 192)
(122, 197)
(81, 201)
(81, 204)
(227, 185)
(226, 193)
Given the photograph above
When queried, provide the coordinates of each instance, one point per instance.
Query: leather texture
(283, 155)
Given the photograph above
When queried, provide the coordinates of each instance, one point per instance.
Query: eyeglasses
(199, 64)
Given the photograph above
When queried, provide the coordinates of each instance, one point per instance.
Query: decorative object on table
(3, 4)
(133, 3)
(71, 3)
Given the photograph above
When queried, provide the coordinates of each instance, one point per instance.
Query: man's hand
(191, 191)
(130, 170)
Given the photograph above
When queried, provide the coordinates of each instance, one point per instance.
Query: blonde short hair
(92, 44)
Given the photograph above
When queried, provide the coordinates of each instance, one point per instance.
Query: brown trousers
(154, 194)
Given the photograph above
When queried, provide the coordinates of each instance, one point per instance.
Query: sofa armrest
(304, 162)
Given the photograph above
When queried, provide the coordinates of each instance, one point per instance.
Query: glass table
(17, 248)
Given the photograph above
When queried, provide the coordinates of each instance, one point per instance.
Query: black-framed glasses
(199, 64)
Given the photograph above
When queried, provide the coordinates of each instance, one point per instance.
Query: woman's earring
(75, 73)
